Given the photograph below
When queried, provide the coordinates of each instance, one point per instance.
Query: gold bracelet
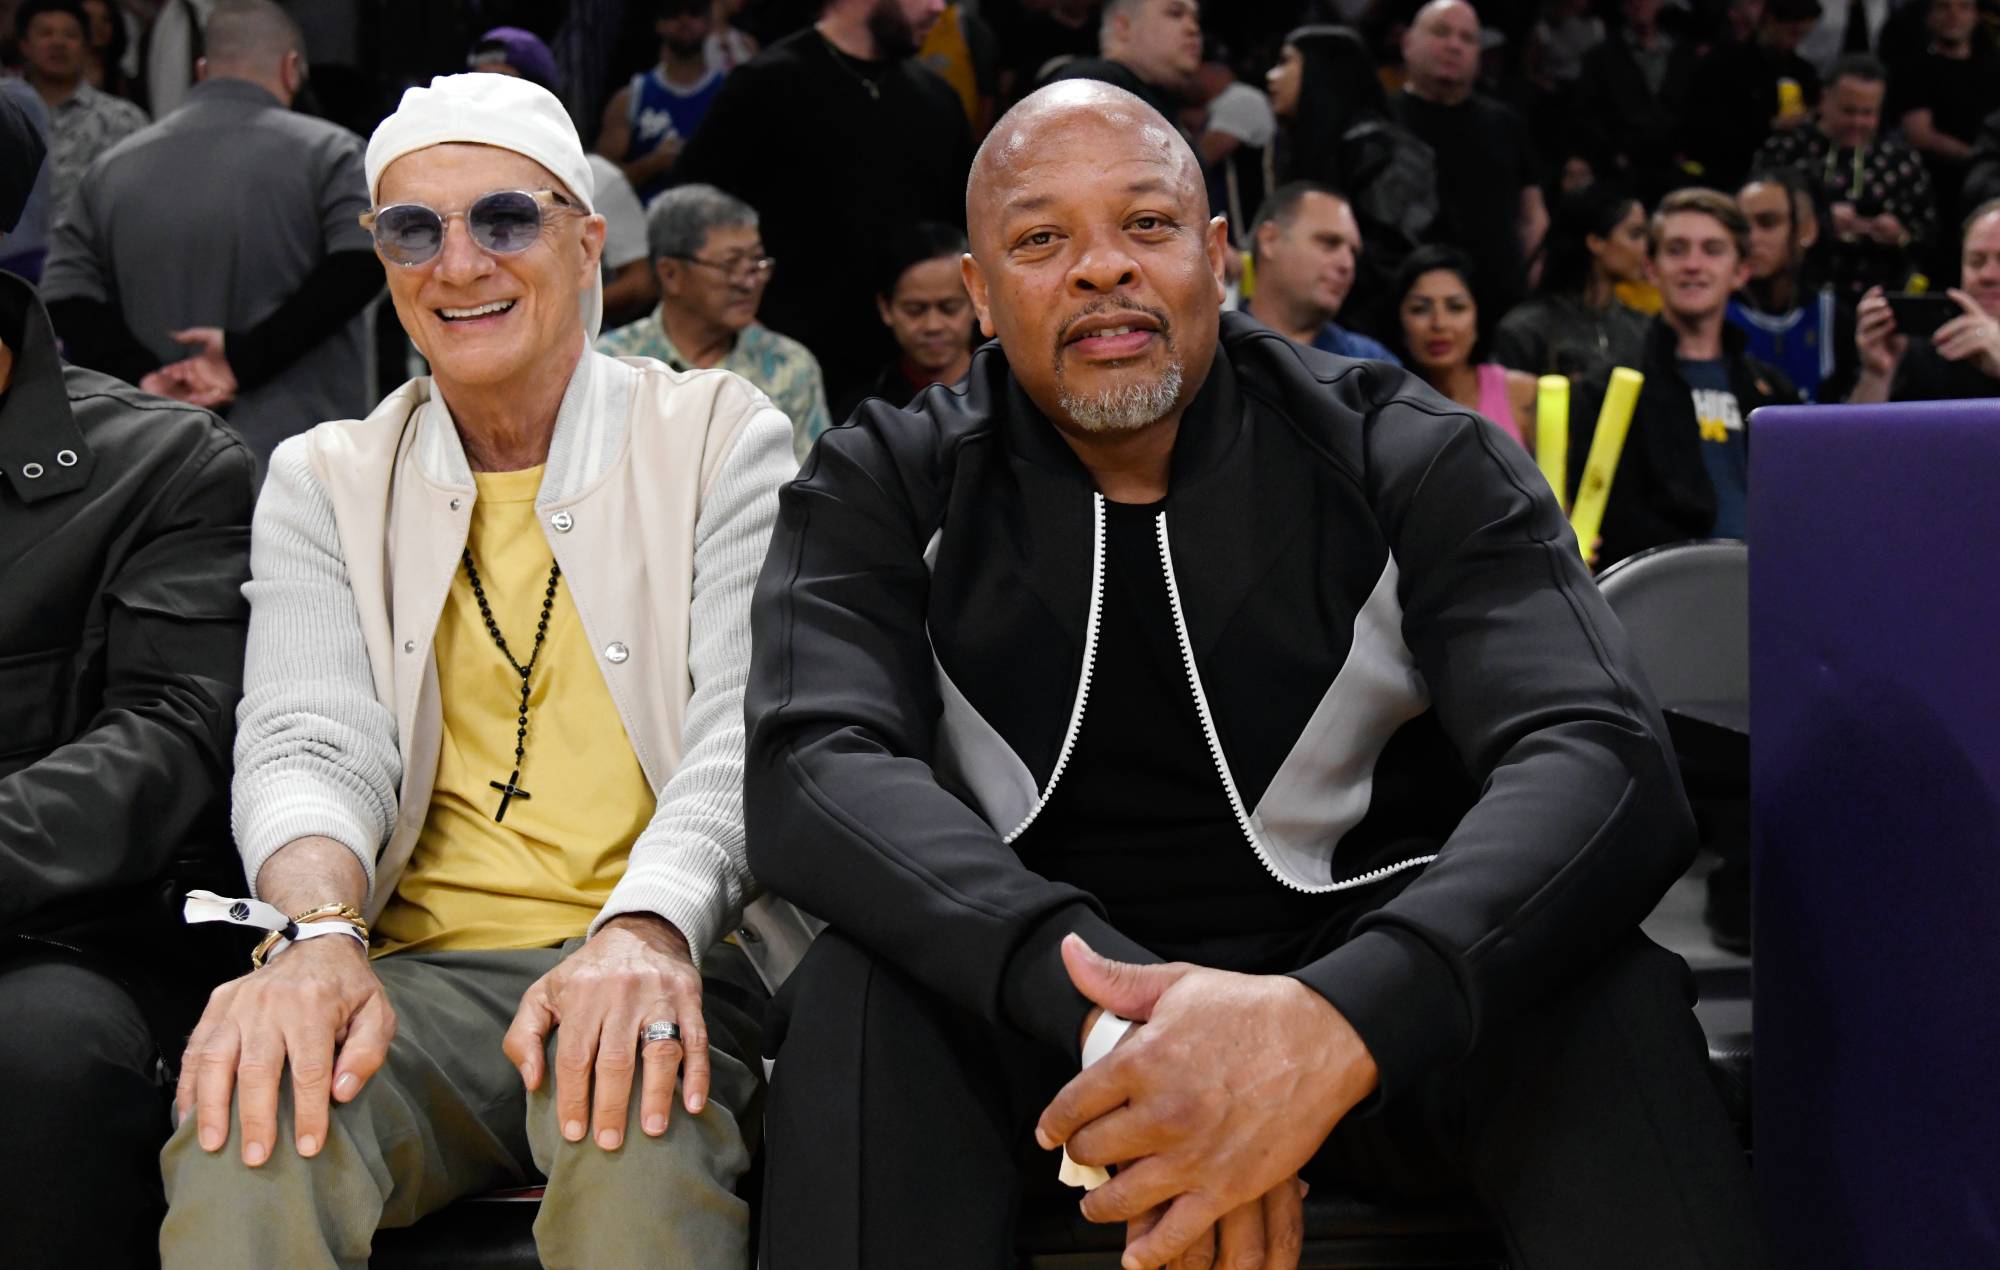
(335, 912)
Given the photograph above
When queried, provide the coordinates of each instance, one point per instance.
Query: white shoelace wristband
(207, 906)
(1103, 1038)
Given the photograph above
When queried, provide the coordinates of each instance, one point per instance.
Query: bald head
(254, 40)
(1069, 119)
(1094, 259)
(1441, 51)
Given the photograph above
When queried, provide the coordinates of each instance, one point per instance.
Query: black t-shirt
(1959, 93)
(1484, 161)
(1732, 101)
(1119, 75)
(1139, 818)
(837, 156)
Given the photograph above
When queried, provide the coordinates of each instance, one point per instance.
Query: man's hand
(1877, 344)
(1848, 224)
(1887, 230)
(1973, 336)
(1268, 1232)
(1232, 1085)
(204, 379)
(636, 970)
(316, 1007)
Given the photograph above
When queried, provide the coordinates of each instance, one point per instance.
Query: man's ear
(593, 246)
(975, 287)
(882, 307)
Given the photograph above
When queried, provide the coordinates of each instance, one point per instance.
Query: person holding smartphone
(1961, 357)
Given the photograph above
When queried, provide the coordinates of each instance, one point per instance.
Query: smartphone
(1918, 314)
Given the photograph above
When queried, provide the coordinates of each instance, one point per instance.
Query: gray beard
(1127, 408)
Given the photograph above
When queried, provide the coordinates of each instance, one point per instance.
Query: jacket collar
(42, 449)
(589, 436)
(1663, 343)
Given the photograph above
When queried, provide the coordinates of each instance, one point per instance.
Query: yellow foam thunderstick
(1552, 434)
(1621, 397)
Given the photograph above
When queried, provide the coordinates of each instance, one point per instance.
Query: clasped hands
(319, 1010)
(203, 379)
(1210, 1108)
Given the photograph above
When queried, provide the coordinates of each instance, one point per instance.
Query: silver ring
(663, 1031)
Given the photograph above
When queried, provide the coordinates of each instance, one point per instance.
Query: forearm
(95, 335)
(330, 297)
(309, 872)
(1870, 388)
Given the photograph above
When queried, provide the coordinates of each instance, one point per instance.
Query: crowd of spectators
(1341, 138)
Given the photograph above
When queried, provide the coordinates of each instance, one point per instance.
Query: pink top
(1494, 402)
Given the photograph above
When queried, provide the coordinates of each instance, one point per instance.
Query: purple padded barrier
(1875, 699)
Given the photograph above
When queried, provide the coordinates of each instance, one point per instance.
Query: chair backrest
(1686, 611)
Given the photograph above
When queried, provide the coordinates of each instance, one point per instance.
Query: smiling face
(1850, 113)
(1440, 322)
(1094, 259)
(930, 314)
(1979, 262)
(1696, 265)
(482, 319)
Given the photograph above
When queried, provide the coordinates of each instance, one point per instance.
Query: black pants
(84, 1110)
(899, 1128)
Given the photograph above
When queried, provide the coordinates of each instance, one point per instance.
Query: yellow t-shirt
(540, 876)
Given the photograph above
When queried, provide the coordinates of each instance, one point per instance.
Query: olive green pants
(446, 1117)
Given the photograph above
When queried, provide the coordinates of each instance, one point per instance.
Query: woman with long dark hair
(1334, 128)
(1574, 324)
(1439, 332)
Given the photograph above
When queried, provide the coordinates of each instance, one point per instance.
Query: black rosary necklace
(512, 789)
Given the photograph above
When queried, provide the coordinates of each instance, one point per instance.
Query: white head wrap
(491, 110)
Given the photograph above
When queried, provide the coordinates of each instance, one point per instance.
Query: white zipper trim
(1089, 664)
(1222, 762)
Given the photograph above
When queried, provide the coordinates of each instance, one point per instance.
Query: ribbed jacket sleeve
(689, 865)
(316, 752)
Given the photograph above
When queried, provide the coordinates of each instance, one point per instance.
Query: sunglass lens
(505, 222)
(409, 233)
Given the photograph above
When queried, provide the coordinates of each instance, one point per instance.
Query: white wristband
(1103, 1037)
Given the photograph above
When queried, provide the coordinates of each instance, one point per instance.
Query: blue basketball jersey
(1801, 343)
(658, 110)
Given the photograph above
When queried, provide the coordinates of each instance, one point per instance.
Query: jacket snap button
(409, 646)
(616, 653)
(31, 470)
(563, 522)
(454, 504)
(65, 458)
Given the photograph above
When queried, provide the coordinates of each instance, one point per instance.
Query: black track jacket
(1393, 644)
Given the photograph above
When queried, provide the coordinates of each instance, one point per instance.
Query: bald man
(1236, 720)
(1489, 189)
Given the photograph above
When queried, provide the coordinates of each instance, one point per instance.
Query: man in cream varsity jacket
(493, 732)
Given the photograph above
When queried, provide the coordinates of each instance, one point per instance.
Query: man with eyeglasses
(214, 257)
(489, 770)
(711, 266)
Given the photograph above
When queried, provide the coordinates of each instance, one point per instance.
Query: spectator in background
(1440, 333)
(630, 290)
(728, 46)
(83, 121)
(1563, 36)
(1803, 330)
(712, 270)
(1845, 28)
(124, 546)
(270, 293)
(1575, 324)
(838, 136)
(1305, 247)
(1632, 98)
(105, 44)
(647, 122)
(961, 51)
(1336, 130)
(1685, 469)
(1743, 92)
(1941, 96)
(1488, 192)
(1034, 34)
(1237, 130)
(1961, 359)
(1149, 48)
(1878, 196)
(1982, 171)
(924, 304)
